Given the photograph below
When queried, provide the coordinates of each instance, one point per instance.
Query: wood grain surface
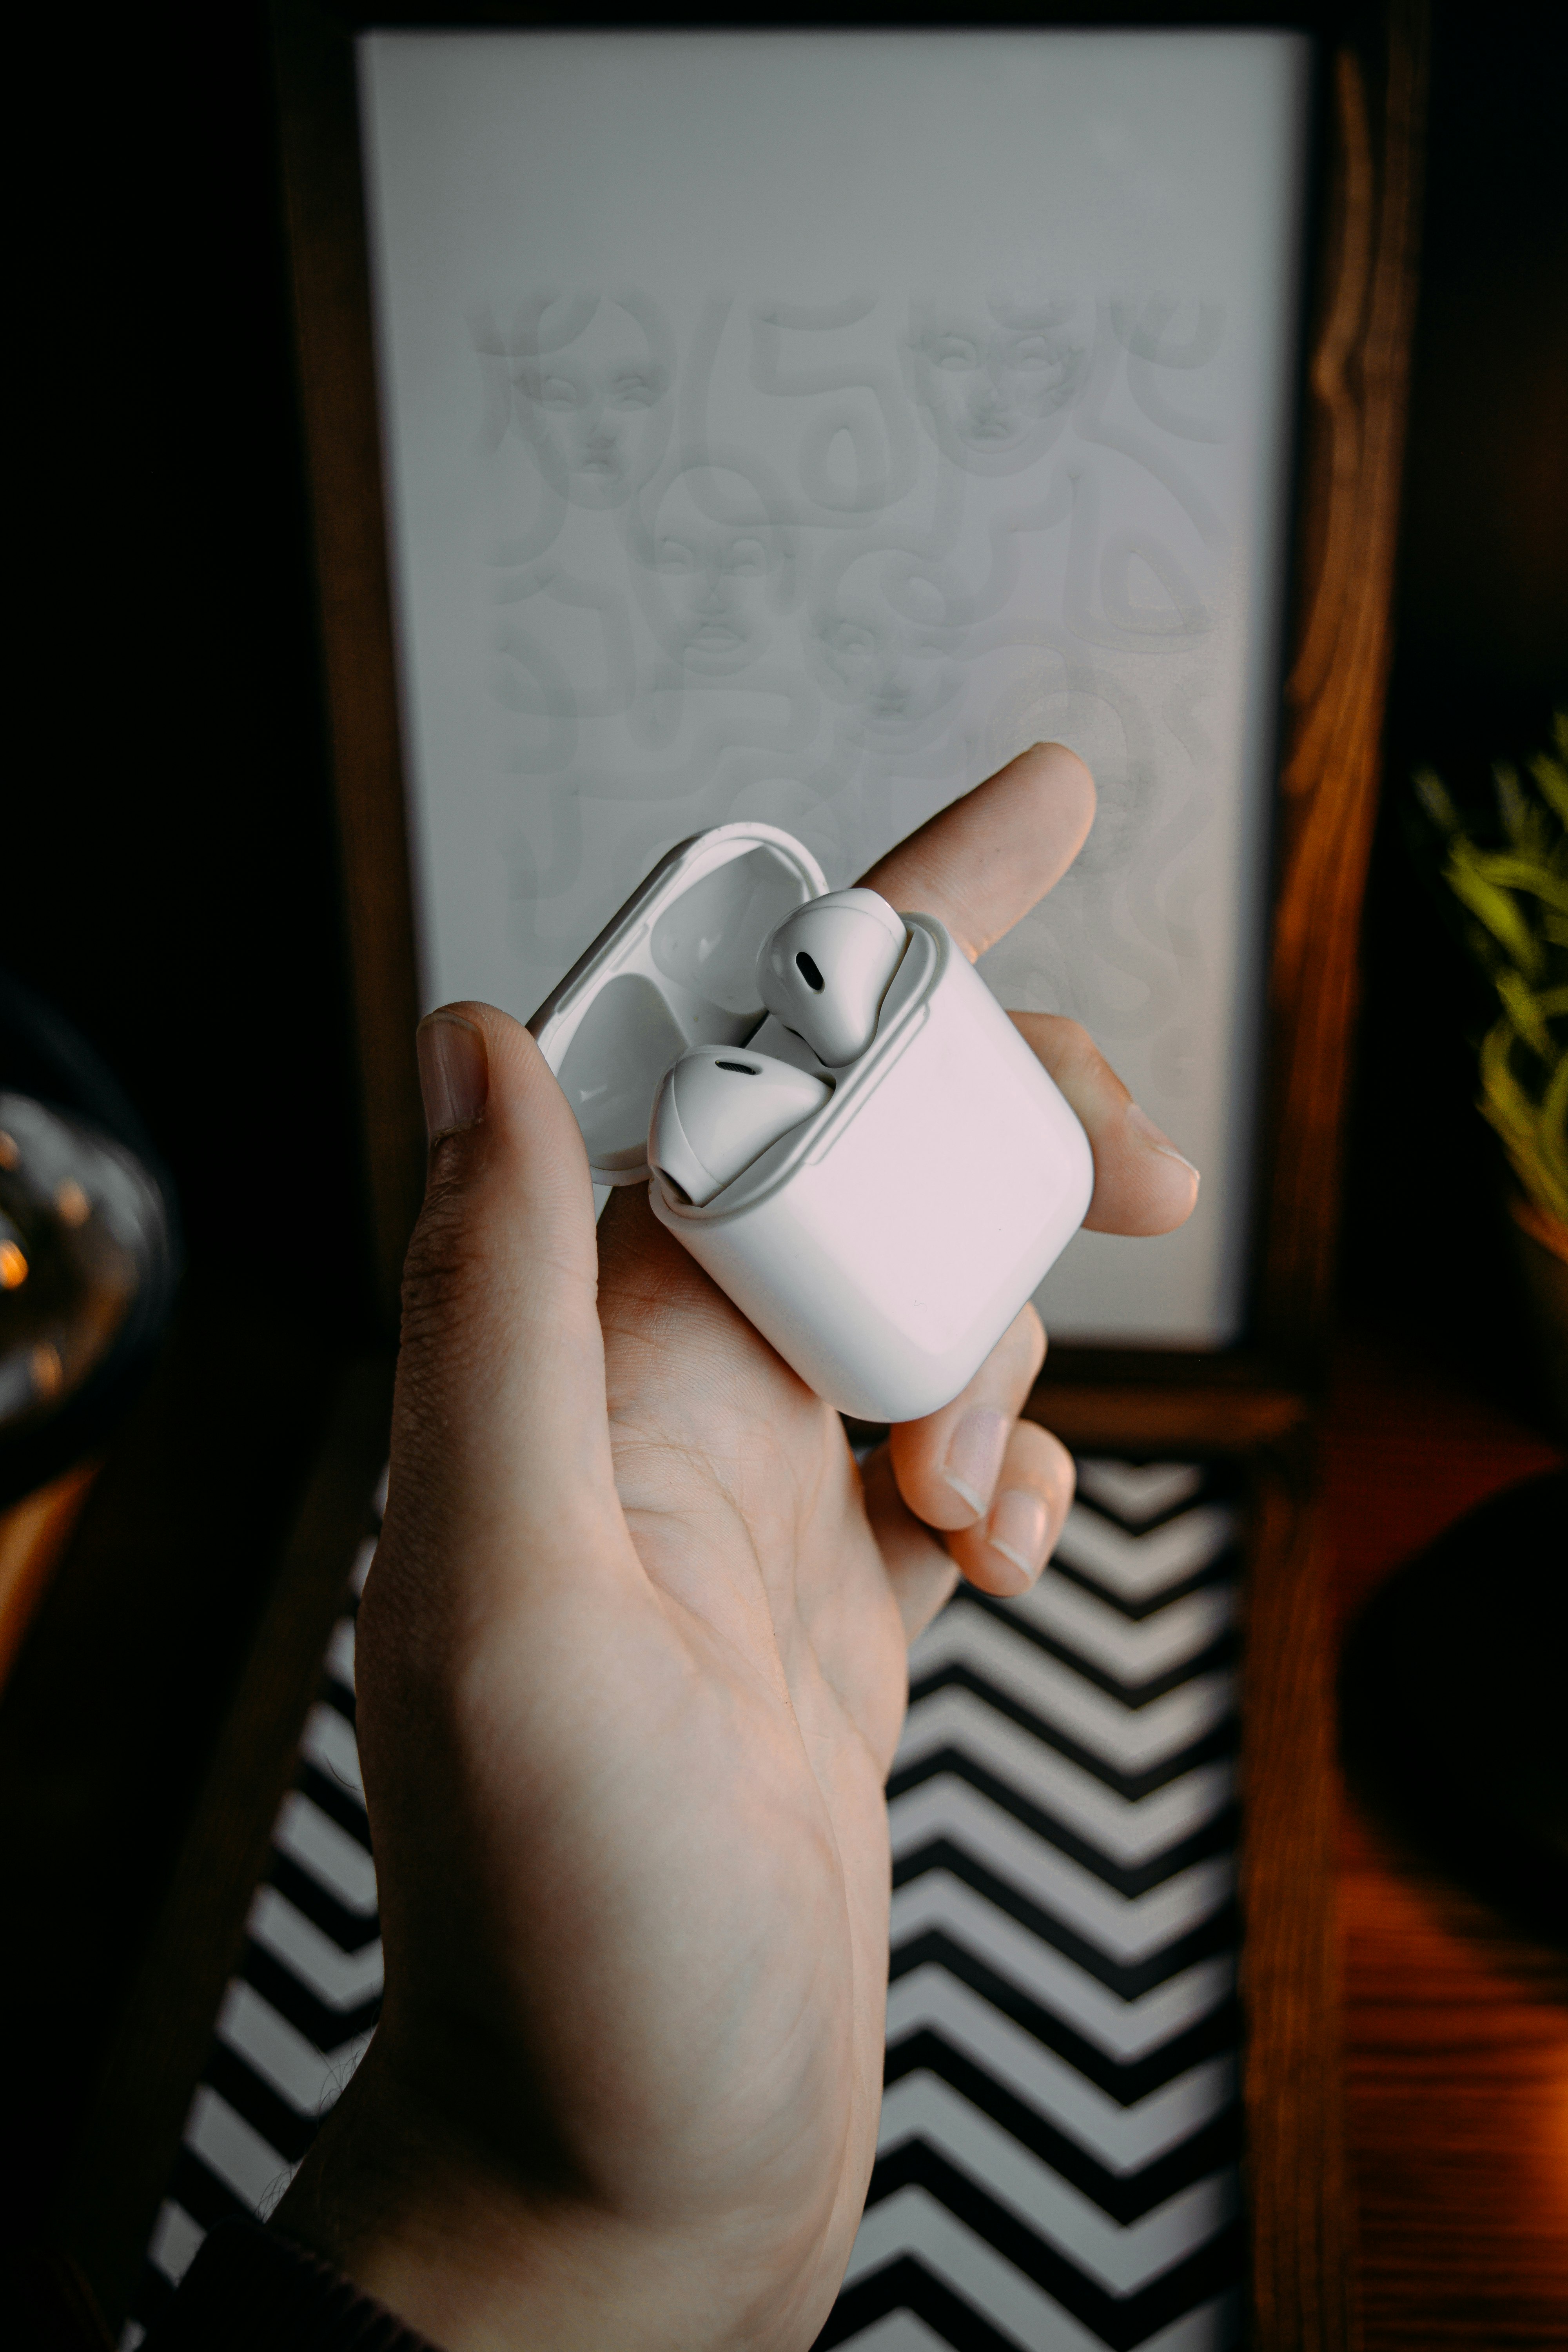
(1456, 2025)
(319, 139)
(1302, 2276)
(1456, 2085)
(1337, 669)
(1165, 1417)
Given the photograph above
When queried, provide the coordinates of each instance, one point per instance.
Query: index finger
(981, 864)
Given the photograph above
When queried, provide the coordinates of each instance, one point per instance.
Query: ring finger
(1004, 1552)
(947, 1466)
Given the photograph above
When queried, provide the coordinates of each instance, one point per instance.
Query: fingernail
(974, 1453)
(1020, 1530)
(454, 1073)
(1156, 1139)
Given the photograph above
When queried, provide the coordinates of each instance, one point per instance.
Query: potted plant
(1508, 885)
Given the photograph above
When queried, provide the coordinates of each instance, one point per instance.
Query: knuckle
(1059, 1469)
(1078, 1051)
(1067, 1049)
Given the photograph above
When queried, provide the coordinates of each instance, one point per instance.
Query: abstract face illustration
(890, 690)
(991, 395)
(591, 383)
(711, 565)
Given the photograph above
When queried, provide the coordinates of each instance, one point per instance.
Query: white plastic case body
(884, 1246)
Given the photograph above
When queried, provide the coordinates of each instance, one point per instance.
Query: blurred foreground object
(88, 1247)
(81, 1231)
(1513, 886)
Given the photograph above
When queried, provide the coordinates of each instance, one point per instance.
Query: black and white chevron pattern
(1057, 2165)
(298, 2016)
(1058, 2162)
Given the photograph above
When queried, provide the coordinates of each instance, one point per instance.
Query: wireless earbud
(825, 970)
(718, 1109)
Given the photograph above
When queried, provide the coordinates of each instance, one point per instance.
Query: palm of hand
(769, 1892)
(668, 1928)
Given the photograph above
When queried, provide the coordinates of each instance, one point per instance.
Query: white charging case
(884, 1246)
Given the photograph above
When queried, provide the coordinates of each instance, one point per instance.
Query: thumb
(500, 1456)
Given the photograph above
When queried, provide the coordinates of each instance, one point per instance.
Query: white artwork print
(797, 426)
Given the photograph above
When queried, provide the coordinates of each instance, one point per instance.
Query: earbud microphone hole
(743, 1069)
(809, 973)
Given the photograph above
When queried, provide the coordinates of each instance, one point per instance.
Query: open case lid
(674, 969)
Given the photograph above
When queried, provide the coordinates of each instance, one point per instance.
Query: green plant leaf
(1515, 927)
(1508, 871)
(1531, 1141)
(1551, 777)
(1554, 1119)
(1433, 798)
(1513, 807)
(1524, 1014)
(1493, 905)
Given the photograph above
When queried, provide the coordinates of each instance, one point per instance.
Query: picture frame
(1360, 294)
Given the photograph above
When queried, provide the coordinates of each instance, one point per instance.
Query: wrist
(398, 2200)
(483, 2256)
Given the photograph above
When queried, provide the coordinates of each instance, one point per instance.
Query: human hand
(631, 1674)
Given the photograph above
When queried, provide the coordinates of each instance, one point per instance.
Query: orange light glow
(72, 1202)
(9, 1154)
(13, 1267)
(47, 1369)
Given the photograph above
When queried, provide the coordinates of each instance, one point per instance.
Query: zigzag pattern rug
(1058, 2162)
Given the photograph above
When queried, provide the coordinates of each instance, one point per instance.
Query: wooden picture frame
(1361, 286)
(1253, 1402)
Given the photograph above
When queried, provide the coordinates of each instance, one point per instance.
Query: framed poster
(1136, 484)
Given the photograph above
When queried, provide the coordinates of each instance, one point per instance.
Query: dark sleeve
(249, 2290)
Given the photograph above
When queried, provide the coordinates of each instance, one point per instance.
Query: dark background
(1480, 659)
(176, 890)
(168, 873)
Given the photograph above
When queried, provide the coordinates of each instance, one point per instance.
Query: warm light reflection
(13, 1267)
(47, 1370)
(9, 1155)
(72, 1204)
